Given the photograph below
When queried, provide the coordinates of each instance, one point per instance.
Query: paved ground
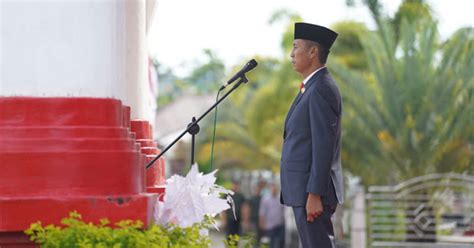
(217, 237)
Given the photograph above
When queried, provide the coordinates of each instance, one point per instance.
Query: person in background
(254, 210)
(271, 217)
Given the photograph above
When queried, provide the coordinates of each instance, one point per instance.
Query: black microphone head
(247, 67)
(251, 64)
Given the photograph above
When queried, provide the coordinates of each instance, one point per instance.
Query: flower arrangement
(190, 199)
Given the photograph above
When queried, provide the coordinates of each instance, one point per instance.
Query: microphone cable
(214, 131)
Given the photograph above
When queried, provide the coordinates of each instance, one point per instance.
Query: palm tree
(412, 113)
(348, 49)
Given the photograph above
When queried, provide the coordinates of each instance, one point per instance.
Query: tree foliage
(413, 113)
(204, 78)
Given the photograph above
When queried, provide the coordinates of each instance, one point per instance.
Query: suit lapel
(298, 97)
(295, 101)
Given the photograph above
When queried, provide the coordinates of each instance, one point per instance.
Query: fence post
(358, 226)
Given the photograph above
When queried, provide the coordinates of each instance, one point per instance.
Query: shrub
(126, 233)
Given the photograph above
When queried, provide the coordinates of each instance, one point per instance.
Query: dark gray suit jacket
(311, 160)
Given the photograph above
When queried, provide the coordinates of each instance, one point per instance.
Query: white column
(93, 48)
(135, 57)
(59, 48)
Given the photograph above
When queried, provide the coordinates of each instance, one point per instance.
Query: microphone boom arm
(242, 79)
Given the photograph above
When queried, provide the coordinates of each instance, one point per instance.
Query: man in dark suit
(311, 174)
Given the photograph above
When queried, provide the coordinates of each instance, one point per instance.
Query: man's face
(301, 57)
(274, 189)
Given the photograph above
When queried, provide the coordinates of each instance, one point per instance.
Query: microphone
(247, 67)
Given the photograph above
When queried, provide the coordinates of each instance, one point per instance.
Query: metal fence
(435, 210)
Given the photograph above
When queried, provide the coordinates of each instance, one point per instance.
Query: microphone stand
(193, 130)
(193, 127)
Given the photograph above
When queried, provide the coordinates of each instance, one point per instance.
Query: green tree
(411, 10)
(375, 8)
(208, 76)
(348, 49)
(412, 113)
(204, 78)
(169, 85)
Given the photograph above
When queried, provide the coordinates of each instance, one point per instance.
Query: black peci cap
(320, 34)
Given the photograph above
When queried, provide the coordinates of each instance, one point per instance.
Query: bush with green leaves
(75, 233)
(246, 241)
(126, 233)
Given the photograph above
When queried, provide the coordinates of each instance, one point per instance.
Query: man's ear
(313, 51)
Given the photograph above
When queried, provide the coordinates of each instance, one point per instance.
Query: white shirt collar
(310, 75)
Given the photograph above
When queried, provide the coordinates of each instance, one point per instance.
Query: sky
(238, 29)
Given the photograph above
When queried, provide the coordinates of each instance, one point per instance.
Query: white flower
(189, 199)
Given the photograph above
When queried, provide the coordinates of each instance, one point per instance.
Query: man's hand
(314, 207)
